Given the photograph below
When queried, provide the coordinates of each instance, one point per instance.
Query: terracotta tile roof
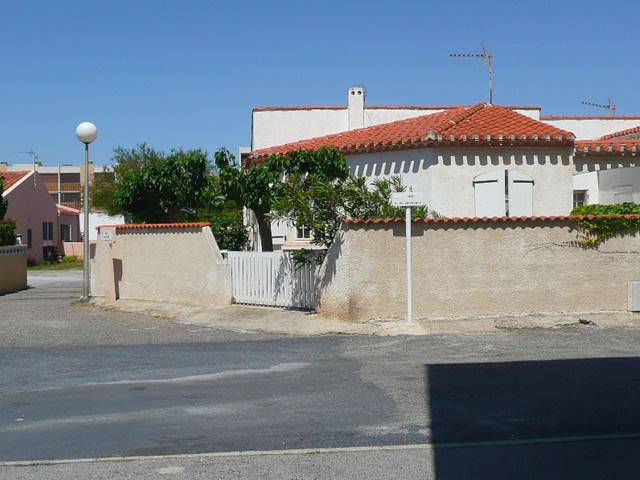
(623, 133)
(11, 178)
(270, 108)
(157, 226)
(462, 220)
(483, 124)
(589, 117)
(67, 210)
(607, 147)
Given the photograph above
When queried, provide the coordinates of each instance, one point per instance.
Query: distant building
(41, 224)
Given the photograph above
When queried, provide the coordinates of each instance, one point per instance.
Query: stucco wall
(13, 269)
(446, 174)
(474, 269)
(175, 265)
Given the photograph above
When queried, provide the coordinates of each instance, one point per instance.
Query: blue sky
(187, 73)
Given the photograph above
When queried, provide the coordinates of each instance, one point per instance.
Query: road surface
(79, 382)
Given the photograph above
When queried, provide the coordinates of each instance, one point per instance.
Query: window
(47, 230)
(579, 198)
(29, 238)
(65, 233)
(303, 233)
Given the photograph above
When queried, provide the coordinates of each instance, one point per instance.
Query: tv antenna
(486, 57)
(610, 106)
(34, 159)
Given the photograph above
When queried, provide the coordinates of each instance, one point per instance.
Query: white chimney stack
(356, 107)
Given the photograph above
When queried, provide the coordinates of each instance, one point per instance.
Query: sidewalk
(246, 318)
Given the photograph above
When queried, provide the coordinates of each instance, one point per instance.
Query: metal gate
(272, 278)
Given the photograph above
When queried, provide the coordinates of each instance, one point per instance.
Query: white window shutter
(622, 194)
(520, 194)
(490, 194)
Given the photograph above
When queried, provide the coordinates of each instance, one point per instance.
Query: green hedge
(597, 230)
(7, 233)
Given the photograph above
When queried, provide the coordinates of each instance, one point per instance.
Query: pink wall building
(41, 224)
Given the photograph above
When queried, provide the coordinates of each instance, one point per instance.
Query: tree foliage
(151, 186)
(262, 184)
(7, 228)
(4, 204)
(321, 197)
(609, 222)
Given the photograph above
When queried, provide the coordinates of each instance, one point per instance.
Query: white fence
(272, 278)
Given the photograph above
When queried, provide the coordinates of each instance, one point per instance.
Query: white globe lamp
(86, 132)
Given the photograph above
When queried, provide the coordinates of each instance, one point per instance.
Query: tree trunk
(264, 229)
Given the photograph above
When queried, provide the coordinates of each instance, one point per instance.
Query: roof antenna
(34, 159)
(487, 57)
(610, 106)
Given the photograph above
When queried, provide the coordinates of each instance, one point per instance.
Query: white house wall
(594, 163)
(277, 127)
(592, 128)
(446, 175)
(589, 182)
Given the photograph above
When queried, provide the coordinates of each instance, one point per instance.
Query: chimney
(356, 107)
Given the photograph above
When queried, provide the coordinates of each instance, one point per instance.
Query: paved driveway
(81, 382)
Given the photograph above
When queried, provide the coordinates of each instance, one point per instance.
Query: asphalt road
(81, 382)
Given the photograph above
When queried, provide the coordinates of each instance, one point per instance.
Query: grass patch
(67, 263)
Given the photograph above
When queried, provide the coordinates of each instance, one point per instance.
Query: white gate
(272, 278)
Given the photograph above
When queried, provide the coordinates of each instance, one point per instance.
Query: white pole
(85, 239)
(409, 268)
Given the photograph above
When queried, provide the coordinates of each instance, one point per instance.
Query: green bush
(597, 230)
(229, 230)
(7, 233)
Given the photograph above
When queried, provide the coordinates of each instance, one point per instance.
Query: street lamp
(86, 132)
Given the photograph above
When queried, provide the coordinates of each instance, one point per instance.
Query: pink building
(42, 225)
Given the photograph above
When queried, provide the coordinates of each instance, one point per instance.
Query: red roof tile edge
(157, 226)
(604, 147)
(621, 133)
(459, 220)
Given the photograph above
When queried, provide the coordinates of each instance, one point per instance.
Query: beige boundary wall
(475, 268)
(13, 269)
(174, 263)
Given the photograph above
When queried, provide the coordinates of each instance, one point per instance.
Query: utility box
(634, 296)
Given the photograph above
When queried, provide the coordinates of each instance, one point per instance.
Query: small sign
(408, 199)
(106, 235)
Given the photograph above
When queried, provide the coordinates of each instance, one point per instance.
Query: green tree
(323, 204)
(153, 186)
(260, 185)
(7, 228)
(4, 204)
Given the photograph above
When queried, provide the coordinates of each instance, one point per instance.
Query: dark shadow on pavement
(576, 418)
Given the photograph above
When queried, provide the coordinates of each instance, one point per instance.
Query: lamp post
(86, 132)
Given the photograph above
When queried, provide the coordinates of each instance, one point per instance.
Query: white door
(490, 194)
(520, 203)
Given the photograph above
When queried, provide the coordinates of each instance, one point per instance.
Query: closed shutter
(622, 194)
(520, 194)
(490, 194)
